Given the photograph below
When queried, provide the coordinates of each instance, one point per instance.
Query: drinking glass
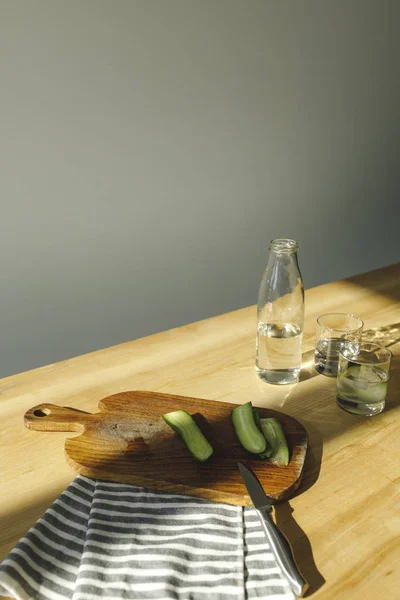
(362, 379)
(335, 331)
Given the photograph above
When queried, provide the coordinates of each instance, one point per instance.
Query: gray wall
(150, 149)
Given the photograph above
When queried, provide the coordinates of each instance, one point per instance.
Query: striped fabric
(101, 540)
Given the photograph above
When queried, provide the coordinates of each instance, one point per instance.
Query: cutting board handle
(50, 417)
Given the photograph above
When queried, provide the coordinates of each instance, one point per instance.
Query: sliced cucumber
(267, 452)
(247, 431)
(274, 434)
(181, 422)
(257, 420)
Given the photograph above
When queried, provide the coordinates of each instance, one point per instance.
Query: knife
(278, 543)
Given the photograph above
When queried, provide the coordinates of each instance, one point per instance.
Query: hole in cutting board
(42, 412)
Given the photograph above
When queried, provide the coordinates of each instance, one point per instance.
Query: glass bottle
(280, 316)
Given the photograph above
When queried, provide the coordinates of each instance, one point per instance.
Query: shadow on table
(307, 366)
(384, 336)
(312, 464)
(299, 541)
(301, 546)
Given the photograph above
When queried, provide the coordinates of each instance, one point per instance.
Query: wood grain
(343, 521)
(128, 442)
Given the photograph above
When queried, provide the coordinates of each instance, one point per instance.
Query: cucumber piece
(257, 420)
(274, 434)
(247, 431)
(184, 424)
(267, 452)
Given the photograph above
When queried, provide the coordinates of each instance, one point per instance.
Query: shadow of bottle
(307, 366)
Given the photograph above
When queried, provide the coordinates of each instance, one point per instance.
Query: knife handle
(283, 554)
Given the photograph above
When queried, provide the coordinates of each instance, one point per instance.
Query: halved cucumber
(257, 419)
(247, 431)
(181, 422)
(274, 434)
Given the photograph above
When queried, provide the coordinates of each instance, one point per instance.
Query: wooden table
(344, 522)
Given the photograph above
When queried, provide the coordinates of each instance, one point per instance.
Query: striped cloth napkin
(102, 540)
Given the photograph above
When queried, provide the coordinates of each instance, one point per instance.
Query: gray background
(150, 149)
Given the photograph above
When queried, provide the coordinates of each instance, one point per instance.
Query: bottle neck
(282, 274)
(283, 255)
(284, 246)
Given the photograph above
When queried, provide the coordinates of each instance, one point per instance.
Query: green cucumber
(274, 434)
(184, 424)
(268, 450)
(246, 429)
(257, 420)
(256, 417)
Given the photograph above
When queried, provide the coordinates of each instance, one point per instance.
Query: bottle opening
(284, 246)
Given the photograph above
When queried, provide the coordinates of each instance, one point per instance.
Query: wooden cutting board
(129, 442)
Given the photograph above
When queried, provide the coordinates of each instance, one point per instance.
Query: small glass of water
(335, 332)
(362, 379)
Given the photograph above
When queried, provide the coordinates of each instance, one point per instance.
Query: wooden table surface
(343, 523)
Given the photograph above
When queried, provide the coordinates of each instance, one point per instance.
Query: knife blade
(277, 541)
